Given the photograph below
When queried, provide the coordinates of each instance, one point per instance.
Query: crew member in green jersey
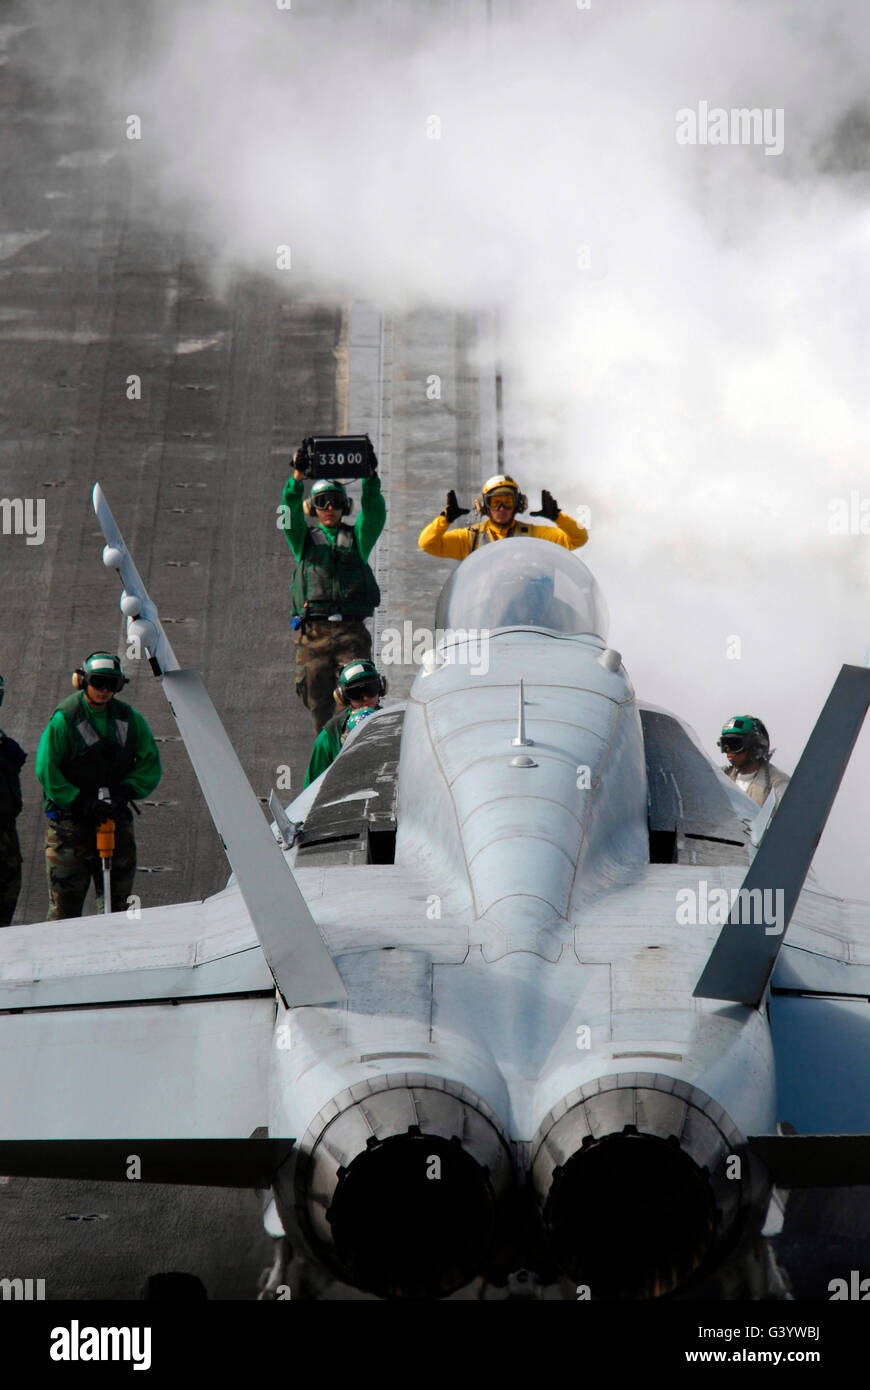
(746, 744)
(358, 693)
(93, 740)
(334, 589)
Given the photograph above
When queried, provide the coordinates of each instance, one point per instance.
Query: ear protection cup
(79, 679)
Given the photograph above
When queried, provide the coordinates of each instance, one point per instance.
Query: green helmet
(756, 739)
(329, 485)
(360, 676)
(104, 665)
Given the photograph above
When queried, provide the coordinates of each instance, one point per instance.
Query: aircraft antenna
(521, 741)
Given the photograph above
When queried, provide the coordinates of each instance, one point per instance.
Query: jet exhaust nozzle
(402, 1190)
(637, 1184)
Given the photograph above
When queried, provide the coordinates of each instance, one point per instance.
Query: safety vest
(332, 577)
(766, 778)
(338, 725)
(481, 534)
(10, 781)
(734, 773)
(96, 761)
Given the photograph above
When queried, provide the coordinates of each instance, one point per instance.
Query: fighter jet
(501, 1005)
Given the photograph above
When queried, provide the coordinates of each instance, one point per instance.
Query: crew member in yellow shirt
(499, 504)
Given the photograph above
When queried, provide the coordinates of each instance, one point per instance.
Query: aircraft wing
(163, 1025)
(820, 1018)
(152, 1039)
(186, 951)
(117, 1034)
(817, 982)
(191, 1069)
(744, 957)
(301, 966)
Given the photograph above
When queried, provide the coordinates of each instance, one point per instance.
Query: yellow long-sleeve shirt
(435, 539)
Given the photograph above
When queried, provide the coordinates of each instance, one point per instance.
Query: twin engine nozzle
(405, 1185)
(642, 1182)
(402, 1188)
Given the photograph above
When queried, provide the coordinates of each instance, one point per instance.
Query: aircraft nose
(403, 1189)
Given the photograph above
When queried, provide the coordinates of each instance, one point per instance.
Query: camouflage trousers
(322, 649)
(10, 874)
(72, 863)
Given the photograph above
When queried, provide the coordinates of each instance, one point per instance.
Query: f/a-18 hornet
(502, 1003)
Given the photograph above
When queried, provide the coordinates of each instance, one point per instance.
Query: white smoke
(683, 327)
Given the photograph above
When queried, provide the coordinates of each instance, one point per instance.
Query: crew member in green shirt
(334, 589)
(359, 690)
(93, 740)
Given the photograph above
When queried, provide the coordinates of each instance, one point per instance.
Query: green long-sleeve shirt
(330, 740)
(327, 746)
(57, 744)
(367, 527)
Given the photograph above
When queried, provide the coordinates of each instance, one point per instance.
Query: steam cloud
(683, 327)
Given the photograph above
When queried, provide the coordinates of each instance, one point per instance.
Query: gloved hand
(549, 506)
(84, 806)
(116, 807)
(453, 509)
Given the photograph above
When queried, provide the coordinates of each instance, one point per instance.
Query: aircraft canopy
(527, 583)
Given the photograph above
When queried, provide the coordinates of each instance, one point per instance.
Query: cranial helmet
(501, 482)
(329, 485)
(359, 677)
(101, 664)
(756, 740)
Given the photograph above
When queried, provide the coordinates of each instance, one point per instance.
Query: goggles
(327, 499)
(501, 499)
(361, 690)
(104, 682)
(732, 743)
